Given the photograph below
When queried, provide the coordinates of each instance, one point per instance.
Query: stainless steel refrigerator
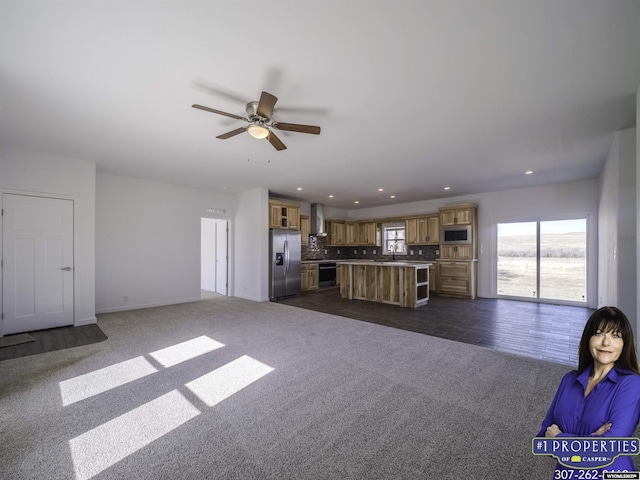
(284, 263)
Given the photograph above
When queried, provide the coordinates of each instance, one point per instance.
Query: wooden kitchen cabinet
(423, 230)
(351, 233)
(309, 274)
(304, 229)
(457, 270)
(415, 230)
(433, 277)
(457, 279)
(457, 252)
(433, 229)
(367, 233)
(337, 232)
(403, 284)
(282, 215)
(458, 215)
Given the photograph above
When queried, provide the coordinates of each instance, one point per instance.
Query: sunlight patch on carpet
(99, 448)
(223, 382)
(105, 445)
(107, 378)
(181, 352)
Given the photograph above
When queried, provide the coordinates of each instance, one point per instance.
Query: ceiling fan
(259, 121)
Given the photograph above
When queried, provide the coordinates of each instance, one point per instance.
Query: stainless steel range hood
(316, 221)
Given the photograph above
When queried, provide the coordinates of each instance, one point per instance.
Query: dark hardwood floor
(544, 331)
(537, 330)
(55, 339)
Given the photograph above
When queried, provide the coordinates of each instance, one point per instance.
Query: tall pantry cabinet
(457, 265)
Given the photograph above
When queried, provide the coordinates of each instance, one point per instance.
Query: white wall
(637, 322)
(608, 229)
(252, 245)
(148, 241)
(549, 202)
(33, 173)
(618, 242)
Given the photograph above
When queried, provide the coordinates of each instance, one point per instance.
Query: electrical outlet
(355, 252)
(125, 299)
(419, 252)
(338, 252)
(325, 252)
(364, 252)
(411, 252)
(374, 252)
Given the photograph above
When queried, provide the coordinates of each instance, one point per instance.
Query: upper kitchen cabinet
(337, 231)
(415, 230)
(433, 229)
(284, 215)
(367, 233)
(423, 230)
(458, 215)
(304, 229)
(351, 233)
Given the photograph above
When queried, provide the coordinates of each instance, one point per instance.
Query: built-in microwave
(455, 234)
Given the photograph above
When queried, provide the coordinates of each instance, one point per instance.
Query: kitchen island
(399, 283)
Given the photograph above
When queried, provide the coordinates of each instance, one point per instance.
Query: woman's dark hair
(609, 319)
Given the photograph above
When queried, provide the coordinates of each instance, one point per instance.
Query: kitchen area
(434, 252)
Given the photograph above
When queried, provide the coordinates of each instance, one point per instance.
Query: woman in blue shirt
(602, 397)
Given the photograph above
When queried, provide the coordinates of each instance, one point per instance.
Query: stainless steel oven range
(326, 274)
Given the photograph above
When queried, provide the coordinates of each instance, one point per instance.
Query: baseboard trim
(85, 321)
(125, 308)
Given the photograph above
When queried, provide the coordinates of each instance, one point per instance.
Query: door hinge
(2, 316)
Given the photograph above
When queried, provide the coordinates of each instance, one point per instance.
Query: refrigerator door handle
(286, 256)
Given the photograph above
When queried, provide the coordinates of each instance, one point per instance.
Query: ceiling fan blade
(294, 127)
(276, 142)
(266, 104)
(219, 112)
(232, 133)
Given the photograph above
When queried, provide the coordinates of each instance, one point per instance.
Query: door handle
(68, 269)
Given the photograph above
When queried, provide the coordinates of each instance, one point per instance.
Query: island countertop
(396, 263)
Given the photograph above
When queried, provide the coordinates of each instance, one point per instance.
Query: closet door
(37, 252)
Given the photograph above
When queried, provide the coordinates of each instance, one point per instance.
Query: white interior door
(221, 257)
(37, 273)
(208, 254)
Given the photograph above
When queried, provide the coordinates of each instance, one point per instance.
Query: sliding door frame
(591, 258)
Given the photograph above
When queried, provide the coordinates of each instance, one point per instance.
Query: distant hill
(561, 245)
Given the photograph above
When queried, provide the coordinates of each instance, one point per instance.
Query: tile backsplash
(324, 252)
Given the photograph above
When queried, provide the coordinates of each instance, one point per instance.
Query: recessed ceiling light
(330, 196)
(381, 189)
(299, 188)
(392, 196)
(357, 201)
(447, 188)
(528, 172)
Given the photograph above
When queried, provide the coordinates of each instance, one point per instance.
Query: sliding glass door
(544, 260)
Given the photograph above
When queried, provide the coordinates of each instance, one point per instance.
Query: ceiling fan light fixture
(258, 131)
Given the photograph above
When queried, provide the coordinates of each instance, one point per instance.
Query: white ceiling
(411, 96)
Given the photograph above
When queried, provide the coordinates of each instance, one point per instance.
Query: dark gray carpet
(344, 400)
